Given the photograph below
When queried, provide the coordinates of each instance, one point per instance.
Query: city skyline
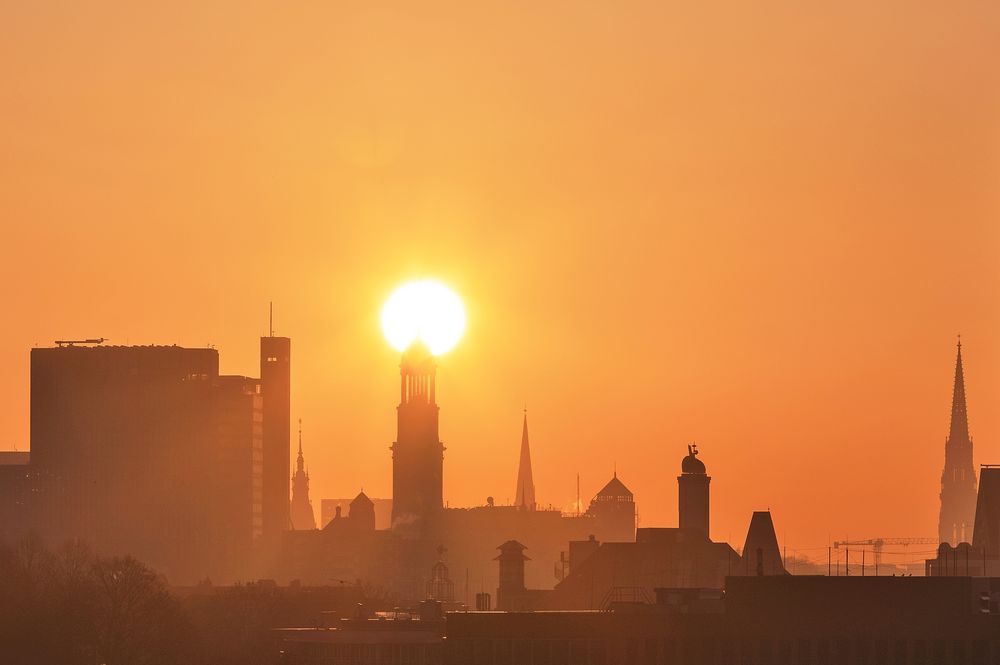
(770, 261)
(808, 552)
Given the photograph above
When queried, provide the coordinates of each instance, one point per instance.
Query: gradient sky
(758, 226)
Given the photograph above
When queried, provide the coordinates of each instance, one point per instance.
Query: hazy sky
(758, 226)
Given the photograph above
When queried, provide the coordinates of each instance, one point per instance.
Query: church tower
(301, 511)
(958, 481)
(417, 453)
(692, 493)
(525, 491)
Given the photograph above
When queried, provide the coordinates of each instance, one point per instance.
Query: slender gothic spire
(525, 483)
(959, 417)
(958, 479)
(301, 461)
(301, 510)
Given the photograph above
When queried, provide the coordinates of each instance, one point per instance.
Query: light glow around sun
(424, 310)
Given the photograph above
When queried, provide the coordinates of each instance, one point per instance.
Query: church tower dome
(691, 463)
(693, 494)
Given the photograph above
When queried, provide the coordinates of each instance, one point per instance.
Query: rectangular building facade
(145, 451)
(275, 378)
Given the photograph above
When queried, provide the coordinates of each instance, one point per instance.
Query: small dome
(691, 463)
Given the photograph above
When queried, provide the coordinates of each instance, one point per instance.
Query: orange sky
(756, 227)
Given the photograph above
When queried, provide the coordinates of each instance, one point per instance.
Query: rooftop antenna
(577, 493)
(270, 318)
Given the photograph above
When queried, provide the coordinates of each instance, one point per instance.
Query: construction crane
(877, 543)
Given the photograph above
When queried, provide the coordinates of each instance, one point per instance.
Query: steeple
(300, 464)
(958, 480)
(959, 418)
(301, 510)
(525, 491)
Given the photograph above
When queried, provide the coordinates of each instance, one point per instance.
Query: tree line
(67, 605)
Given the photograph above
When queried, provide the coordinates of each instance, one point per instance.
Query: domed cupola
(691, 463)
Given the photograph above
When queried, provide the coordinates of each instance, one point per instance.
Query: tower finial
(270, 318)
(300, 437)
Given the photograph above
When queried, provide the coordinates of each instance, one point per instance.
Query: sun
(424, 310)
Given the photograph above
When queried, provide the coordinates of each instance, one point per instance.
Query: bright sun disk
(424, 310)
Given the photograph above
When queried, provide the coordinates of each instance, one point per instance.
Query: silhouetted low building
(761, 555)
(982, 556)
(614, 505)
(382, 507)
(386, 638)
(766, 619)
(601, 575)
(15, 493)
(347, 548)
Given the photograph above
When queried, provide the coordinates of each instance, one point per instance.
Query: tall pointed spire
(301, 461)
(958, 480)
(525, 492)
(301, 510)
(959, 417)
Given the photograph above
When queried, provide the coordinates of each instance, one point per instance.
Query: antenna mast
(270, 318)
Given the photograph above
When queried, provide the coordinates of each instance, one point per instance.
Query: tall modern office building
(275, 379)
(958, 480)
(146, 450)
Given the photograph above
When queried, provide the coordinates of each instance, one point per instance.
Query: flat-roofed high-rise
(275, 378)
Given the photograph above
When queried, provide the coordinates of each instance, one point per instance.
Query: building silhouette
(692, 493)
(601, 575)
(148, 451)
(400, 556)
(525, 490)
(275, 379)
(986, 536)
(362, 512)
(417, 453)
(981, 557)
(15, 493)
(761, 555)
(614, 505)
(759, 620)
(237, 499)
(302, 515)
(382, 508)
(440, 587)
(958, 480)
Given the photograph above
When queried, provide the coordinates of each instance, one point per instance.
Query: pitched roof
(362, 498)
(761, 555)
(615, 488)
